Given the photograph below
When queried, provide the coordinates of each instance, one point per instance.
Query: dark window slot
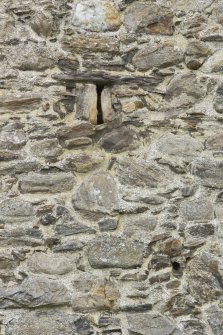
(99, 105)
(176, 266)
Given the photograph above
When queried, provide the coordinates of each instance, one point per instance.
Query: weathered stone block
(157, 56)
(94, 293)
(83, 162)
(198, 209)
(16, 210)
(98, 193)
(21, 237)
(138, 173)
(73, 229)
(119, 140)
(150, 323)
(12, 139)
(45, 263)
(215, 142)
(111, 252)
(35, 292)
(203, 278)
(178, 145)
(46, 148)
(215, 320)
(49, 182)
(79, 129)
(149, 17)
(210, 172)
(52, 323)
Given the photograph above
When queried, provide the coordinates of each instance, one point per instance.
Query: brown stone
(108, 112)
(171, 247)
(86, 108)
(149, 17)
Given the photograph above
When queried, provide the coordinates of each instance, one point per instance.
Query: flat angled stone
(35, 292)
(16, 210)
(51, 182)
(52, 323)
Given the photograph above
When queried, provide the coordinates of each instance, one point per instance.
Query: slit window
(99, 89)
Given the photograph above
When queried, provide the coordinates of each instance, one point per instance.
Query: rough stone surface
(157, 56)
(53, 323)
(92, 292)
(35, 292)
(43, 263)
(97, 194)
(150, 323)
(115, 252)
(199, 209)
(52, 182)
(149, 17)
(16, 211)
(119, 140)
(111, 167)
(177, 145)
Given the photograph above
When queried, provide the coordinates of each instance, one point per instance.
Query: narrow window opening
(99, 105)
(176, 266)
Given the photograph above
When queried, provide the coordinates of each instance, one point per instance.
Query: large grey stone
(77, 130)
(31, 56)
(47, 182)
(119, 140)
(185, 84)
(204, 279)
(46, 148)
(50, 264)
(50, 323)
(210, 172)
(16, 210)
(215, 320)
(42, 23)
(150, 324)
(21, 237)
(35, 292)
(178, 145)
(98, 193)
(111, 252)
(139, 226)
(198, 209)
(215, 142)
(163, 55)
(12, 139)
(138, 173)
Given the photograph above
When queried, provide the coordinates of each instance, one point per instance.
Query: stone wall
(111, 165)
